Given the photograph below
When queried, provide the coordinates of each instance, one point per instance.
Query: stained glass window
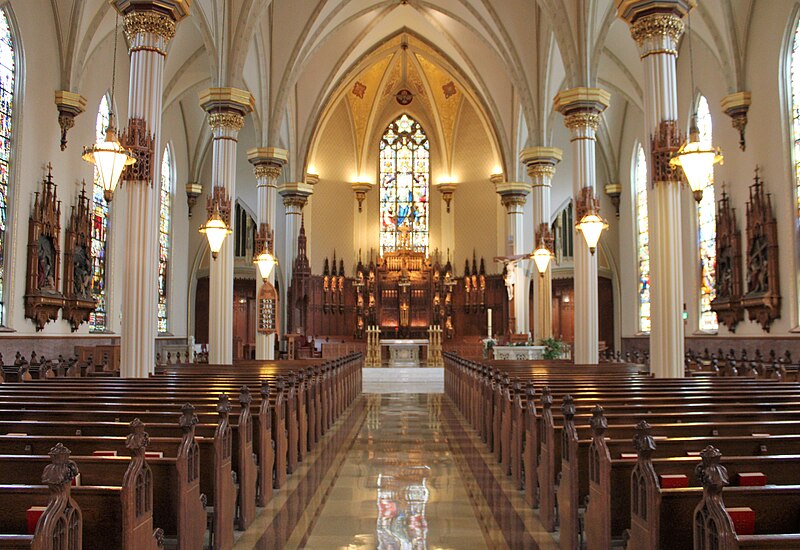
(707, 229)
(405, 171)
(164, 216)
(794, 84)
(7, 83)
(642, 237)
(98, 318)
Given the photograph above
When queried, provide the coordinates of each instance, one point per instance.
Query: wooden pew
(61, 523)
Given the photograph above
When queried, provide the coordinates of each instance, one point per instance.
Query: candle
(489, 321)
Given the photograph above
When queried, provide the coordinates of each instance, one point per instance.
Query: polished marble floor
(401, 471)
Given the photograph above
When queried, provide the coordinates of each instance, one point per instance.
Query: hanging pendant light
(109, 156)
(266, 262)
(215, 229)
(541, 257)
(591, 225)
(404, 96)
(696, 158)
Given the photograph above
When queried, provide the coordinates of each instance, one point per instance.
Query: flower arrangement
(553, 348)
(488, 344)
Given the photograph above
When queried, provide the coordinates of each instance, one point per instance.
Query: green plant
(553, 348)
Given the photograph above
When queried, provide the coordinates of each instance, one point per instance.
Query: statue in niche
(758, 274)
(46, 256)
(82, 272)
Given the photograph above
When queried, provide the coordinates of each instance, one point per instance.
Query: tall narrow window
(642, 236)
(794, 87)
(98, 318)
(8, 68)
(164, 218)
(405, 171)
(707, 229)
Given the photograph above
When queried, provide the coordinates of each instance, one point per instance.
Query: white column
(512, 196)
(295, 196)
(226, 109)
(581, 108)
(657, 29)
(149, 27)
(541, 163)
(267, 164)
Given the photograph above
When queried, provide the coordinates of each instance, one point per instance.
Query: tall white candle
(489, 321)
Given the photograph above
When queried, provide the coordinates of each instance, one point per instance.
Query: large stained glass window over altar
(164, 217)
(98, 318)
(707, 228)
(7, 83)
(642, 236)
(405, 173)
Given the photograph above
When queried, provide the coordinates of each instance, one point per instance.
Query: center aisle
(401, 473)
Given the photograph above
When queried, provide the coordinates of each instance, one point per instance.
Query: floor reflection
(402, 495)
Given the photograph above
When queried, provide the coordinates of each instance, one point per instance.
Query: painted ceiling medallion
(359, 89)
(404, 96)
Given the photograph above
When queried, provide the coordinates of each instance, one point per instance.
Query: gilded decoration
(141, 144)
(657, 24)
(296, 202)
(226, 121)
(543, 171)
(587, 202)
(148, 22)
(665, 143)
(219, 198)
(270, 171)
(582, 119)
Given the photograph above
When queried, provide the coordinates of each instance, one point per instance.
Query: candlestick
(489, 321)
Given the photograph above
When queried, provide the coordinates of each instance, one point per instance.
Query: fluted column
(582, 108)
(512, 197)
(295, 197)
(657, 28)
(267, 164)
(149, 26)
(226, 108)
(541, 163)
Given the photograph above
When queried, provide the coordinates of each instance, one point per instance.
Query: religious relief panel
(79, 300)
(763, 299)
(42, 297)
(728, 301)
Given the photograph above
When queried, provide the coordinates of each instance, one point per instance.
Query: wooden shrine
(78, 265)
(728, 301)
(763, 298)
(42, 296)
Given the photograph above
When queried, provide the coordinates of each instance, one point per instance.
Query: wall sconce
(361, 189)
(614, 190)
(193, 190)
(447, 190)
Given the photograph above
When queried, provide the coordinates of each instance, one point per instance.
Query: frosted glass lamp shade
(266, 262)
(591, 225)
(215, 230)
(110, 158)
(541, 257)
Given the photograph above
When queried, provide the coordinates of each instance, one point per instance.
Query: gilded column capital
(268, 162)
(226, 121)
(295, 195)
(513, 195)
(541, 163)
(174, 9)
(657, 25)
(227, 107)
(148, 22)
(632, 11)
(592, 101)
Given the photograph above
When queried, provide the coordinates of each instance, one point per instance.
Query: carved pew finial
(244, 396)
(138, 440)
(224, 405)
(599, 422)
(61, 470)
(712, 475)
(188, 419)
(61, 524)
(643, 442)
(568, 408)
(547, 398)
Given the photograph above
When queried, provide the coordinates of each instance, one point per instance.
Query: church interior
(400, 274)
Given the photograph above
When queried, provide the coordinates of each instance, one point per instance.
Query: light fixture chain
(114, 62)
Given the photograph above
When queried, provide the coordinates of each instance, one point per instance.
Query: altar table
(518, 353)
(404, 353)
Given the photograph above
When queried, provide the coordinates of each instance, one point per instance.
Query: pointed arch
(404, 185)
(9, 70)
(707, 228)
(639, 188)
(164, 236)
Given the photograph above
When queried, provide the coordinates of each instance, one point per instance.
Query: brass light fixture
(591, 224)
(265, 258)
(696, 157)
(541, 257)
(217, 227)
(109, 156)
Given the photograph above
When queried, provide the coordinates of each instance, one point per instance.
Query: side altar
(518, 353)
